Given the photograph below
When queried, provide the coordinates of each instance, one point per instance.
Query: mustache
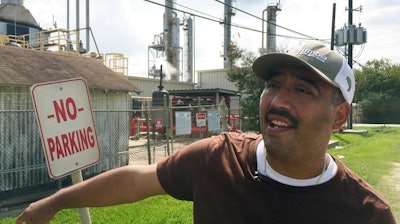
(283, 113)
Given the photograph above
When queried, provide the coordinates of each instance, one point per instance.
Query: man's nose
(281, 99)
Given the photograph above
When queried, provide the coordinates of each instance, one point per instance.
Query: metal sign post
(84, 214)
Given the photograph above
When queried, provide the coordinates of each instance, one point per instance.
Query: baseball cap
(329, 65)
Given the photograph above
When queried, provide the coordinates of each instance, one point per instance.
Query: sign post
(84, 214)
(69, 138)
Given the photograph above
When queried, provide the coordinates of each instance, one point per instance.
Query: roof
(25, 67)
(202, 92)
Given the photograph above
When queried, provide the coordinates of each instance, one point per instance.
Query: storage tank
(16, 20)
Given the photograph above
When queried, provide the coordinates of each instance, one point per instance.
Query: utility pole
(228, 13)
(333, 26)
(348, 36)
(350, 60)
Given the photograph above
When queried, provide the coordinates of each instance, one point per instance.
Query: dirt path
(396, 176)
(138, 150)
(392, 183)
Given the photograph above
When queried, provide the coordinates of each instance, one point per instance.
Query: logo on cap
(316, 55)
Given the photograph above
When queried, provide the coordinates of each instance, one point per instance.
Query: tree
(377, 91)
(249, 85)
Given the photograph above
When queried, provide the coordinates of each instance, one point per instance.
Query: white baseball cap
(328, 64)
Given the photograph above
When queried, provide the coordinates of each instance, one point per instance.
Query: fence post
(154, 154)
(167, 125)
(146, 114)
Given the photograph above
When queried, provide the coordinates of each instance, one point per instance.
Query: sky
(128, 26)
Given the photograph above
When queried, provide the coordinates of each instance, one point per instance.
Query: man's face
(296, 113)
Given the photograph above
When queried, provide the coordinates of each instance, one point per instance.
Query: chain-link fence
(22, 161)
(23, 168)
(125, 136)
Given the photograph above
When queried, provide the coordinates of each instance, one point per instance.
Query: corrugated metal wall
(207, 79)
(21, 158)
(149, 85)
(215, 79)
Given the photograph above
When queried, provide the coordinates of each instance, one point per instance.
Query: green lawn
(373, 156)
(376, 158)
(160, 209)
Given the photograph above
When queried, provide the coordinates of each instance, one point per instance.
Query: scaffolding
(67, 42)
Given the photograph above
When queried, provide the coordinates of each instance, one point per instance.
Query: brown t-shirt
(219, 174)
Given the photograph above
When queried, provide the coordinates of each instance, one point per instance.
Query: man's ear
(342, 112)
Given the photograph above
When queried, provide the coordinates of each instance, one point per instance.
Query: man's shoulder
(241, 141)
(241, 136)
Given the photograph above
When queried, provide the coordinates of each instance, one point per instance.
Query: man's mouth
(280, 119)
(279, 124)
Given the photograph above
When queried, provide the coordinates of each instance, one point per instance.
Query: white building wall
(207, 79)
(148, 85)
(215, 78)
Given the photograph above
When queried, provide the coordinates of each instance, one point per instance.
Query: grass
(372, 156)
(160, 209)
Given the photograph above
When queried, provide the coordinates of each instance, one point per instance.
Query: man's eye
(270, 85)
(303, 90)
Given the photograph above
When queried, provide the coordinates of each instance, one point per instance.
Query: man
(283, 175)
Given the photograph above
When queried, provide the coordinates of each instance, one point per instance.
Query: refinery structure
(167, 46)
(18, 27)
(174, 45)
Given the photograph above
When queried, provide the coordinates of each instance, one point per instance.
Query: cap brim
(263, 65)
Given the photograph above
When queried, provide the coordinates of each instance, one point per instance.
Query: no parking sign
(65, 118)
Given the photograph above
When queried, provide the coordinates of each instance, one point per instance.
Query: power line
(214, 19)
(290, 30)
(299, 38)
(194, 10)
(203, 17)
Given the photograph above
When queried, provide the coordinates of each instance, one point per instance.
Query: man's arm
(117, 186)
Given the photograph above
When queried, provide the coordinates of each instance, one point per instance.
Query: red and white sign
(201, 119)
(158, 123)
(65, 118)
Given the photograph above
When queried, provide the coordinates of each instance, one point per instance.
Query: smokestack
(78, 47)
(87, 27)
